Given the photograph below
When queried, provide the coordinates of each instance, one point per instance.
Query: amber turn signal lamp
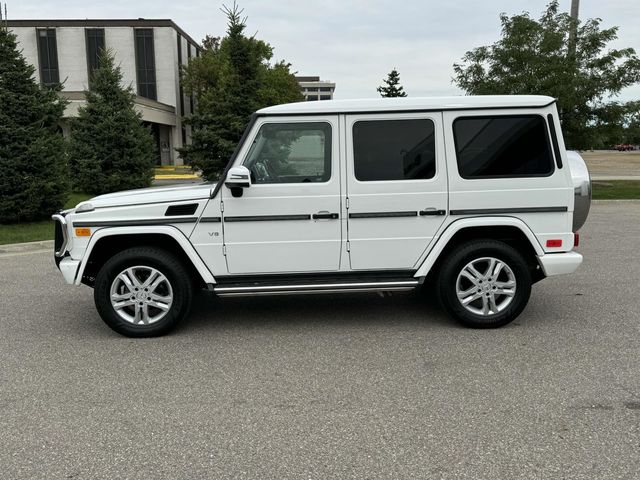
(83, 232)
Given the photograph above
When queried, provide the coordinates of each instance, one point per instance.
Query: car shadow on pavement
(210, 313)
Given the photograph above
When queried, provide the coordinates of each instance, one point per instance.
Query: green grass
(34, 231)
(616, 189)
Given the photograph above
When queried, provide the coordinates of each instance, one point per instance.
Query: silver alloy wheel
(486, 286)
(141, 295)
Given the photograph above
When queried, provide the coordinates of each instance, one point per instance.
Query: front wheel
(142, 292)
(484, 284)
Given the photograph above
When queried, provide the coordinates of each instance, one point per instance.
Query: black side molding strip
(135, 223)
(490, 211)
(266, 218)
(210, 219)
(383, 214)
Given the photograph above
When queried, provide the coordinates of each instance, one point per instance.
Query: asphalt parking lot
(346, 386)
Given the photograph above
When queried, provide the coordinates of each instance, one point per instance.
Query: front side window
(394, 150)
(145, 63)
(291, 153)
(502, 146)
(48, 53)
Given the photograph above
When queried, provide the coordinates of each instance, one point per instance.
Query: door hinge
(224, 250)
(348, 246)
(221, 206)
(347, 202)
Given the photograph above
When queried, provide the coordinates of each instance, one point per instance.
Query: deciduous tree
(533, 57)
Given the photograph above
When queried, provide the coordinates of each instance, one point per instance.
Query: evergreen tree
(533, 57)
(33, 183)
(392, 87)
(231, 79)
(110, 148)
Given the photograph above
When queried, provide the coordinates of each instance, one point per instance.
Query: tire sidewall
(466, 254)
(162, 261)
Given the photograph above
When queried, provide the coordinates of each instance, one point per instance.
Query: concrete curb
(27, 247)
(616, 201)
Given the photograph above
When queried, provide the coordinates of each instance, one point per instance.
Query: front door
(396, 187)
(288, 219)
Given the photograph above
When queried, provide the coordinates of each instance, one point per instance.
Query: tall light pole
(573, 29)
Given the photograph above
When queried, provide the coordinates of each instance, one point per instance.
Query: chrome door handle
(325, 216)
(432, 212)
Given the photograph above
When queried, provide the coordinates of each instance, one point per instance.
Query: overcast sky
(354, 43)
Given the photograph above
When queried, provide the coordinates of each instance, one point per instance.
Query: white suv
(473, 197)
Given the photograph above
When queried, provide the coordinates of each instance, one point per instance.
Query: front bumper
(69, 268)
(560, 263)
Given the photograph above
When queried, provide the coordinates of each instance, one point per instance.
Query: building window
(291, 153)
(48, 53)
(325, 89)
(145, 63)
(312, 97)
(325, 97)
(394, 150)
(95, 46)
(502, 146)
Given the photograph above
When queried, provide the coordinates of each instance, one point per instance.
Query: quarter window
(504, 146)
(394, 150)
(291, 153)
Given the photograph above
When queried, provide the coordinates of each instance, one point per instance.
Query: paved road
(354, 386)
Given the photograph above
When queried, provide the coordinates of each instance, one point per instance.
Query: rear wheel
(142, 292)
(484, 284)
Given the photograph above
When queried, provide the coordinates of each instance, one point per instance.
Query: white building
(149, 53)
(315, 89)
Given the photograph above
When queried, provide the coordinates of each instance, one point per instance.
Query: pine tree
(110, 148)
(231, 79)
(392, 87)
(33, 182)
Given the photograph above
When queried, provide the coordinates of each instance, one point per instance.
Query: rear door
(396, 187)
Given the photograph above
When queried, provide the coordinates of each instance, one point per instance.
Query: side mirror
(237, 179)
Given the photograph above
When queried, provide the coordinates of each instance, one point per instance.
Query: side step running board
(389, 285)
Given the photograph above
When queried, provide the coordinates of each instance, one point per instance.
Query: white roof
(409, 103)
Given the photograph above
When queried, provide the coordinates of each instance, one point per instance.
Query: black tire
(476, 250)
(164, 262)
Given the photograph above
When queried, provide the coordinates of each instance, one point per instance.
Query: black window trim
(554, 140)
(498, 177)
(393, 119)
(255, 127)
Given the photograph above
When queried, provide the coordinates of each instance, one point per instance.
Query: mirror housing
(238, 177)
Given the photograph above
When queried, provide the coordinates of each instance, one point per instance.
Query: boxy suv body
(473, 197)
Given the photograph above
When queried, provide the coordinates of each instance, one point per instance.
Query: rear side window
(394, 150)
(502, 146)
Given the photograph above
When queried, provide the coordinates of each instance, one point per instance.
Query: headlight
(85, 207)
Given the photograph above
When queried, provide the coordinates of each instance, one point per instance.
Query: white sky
(354, 43)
